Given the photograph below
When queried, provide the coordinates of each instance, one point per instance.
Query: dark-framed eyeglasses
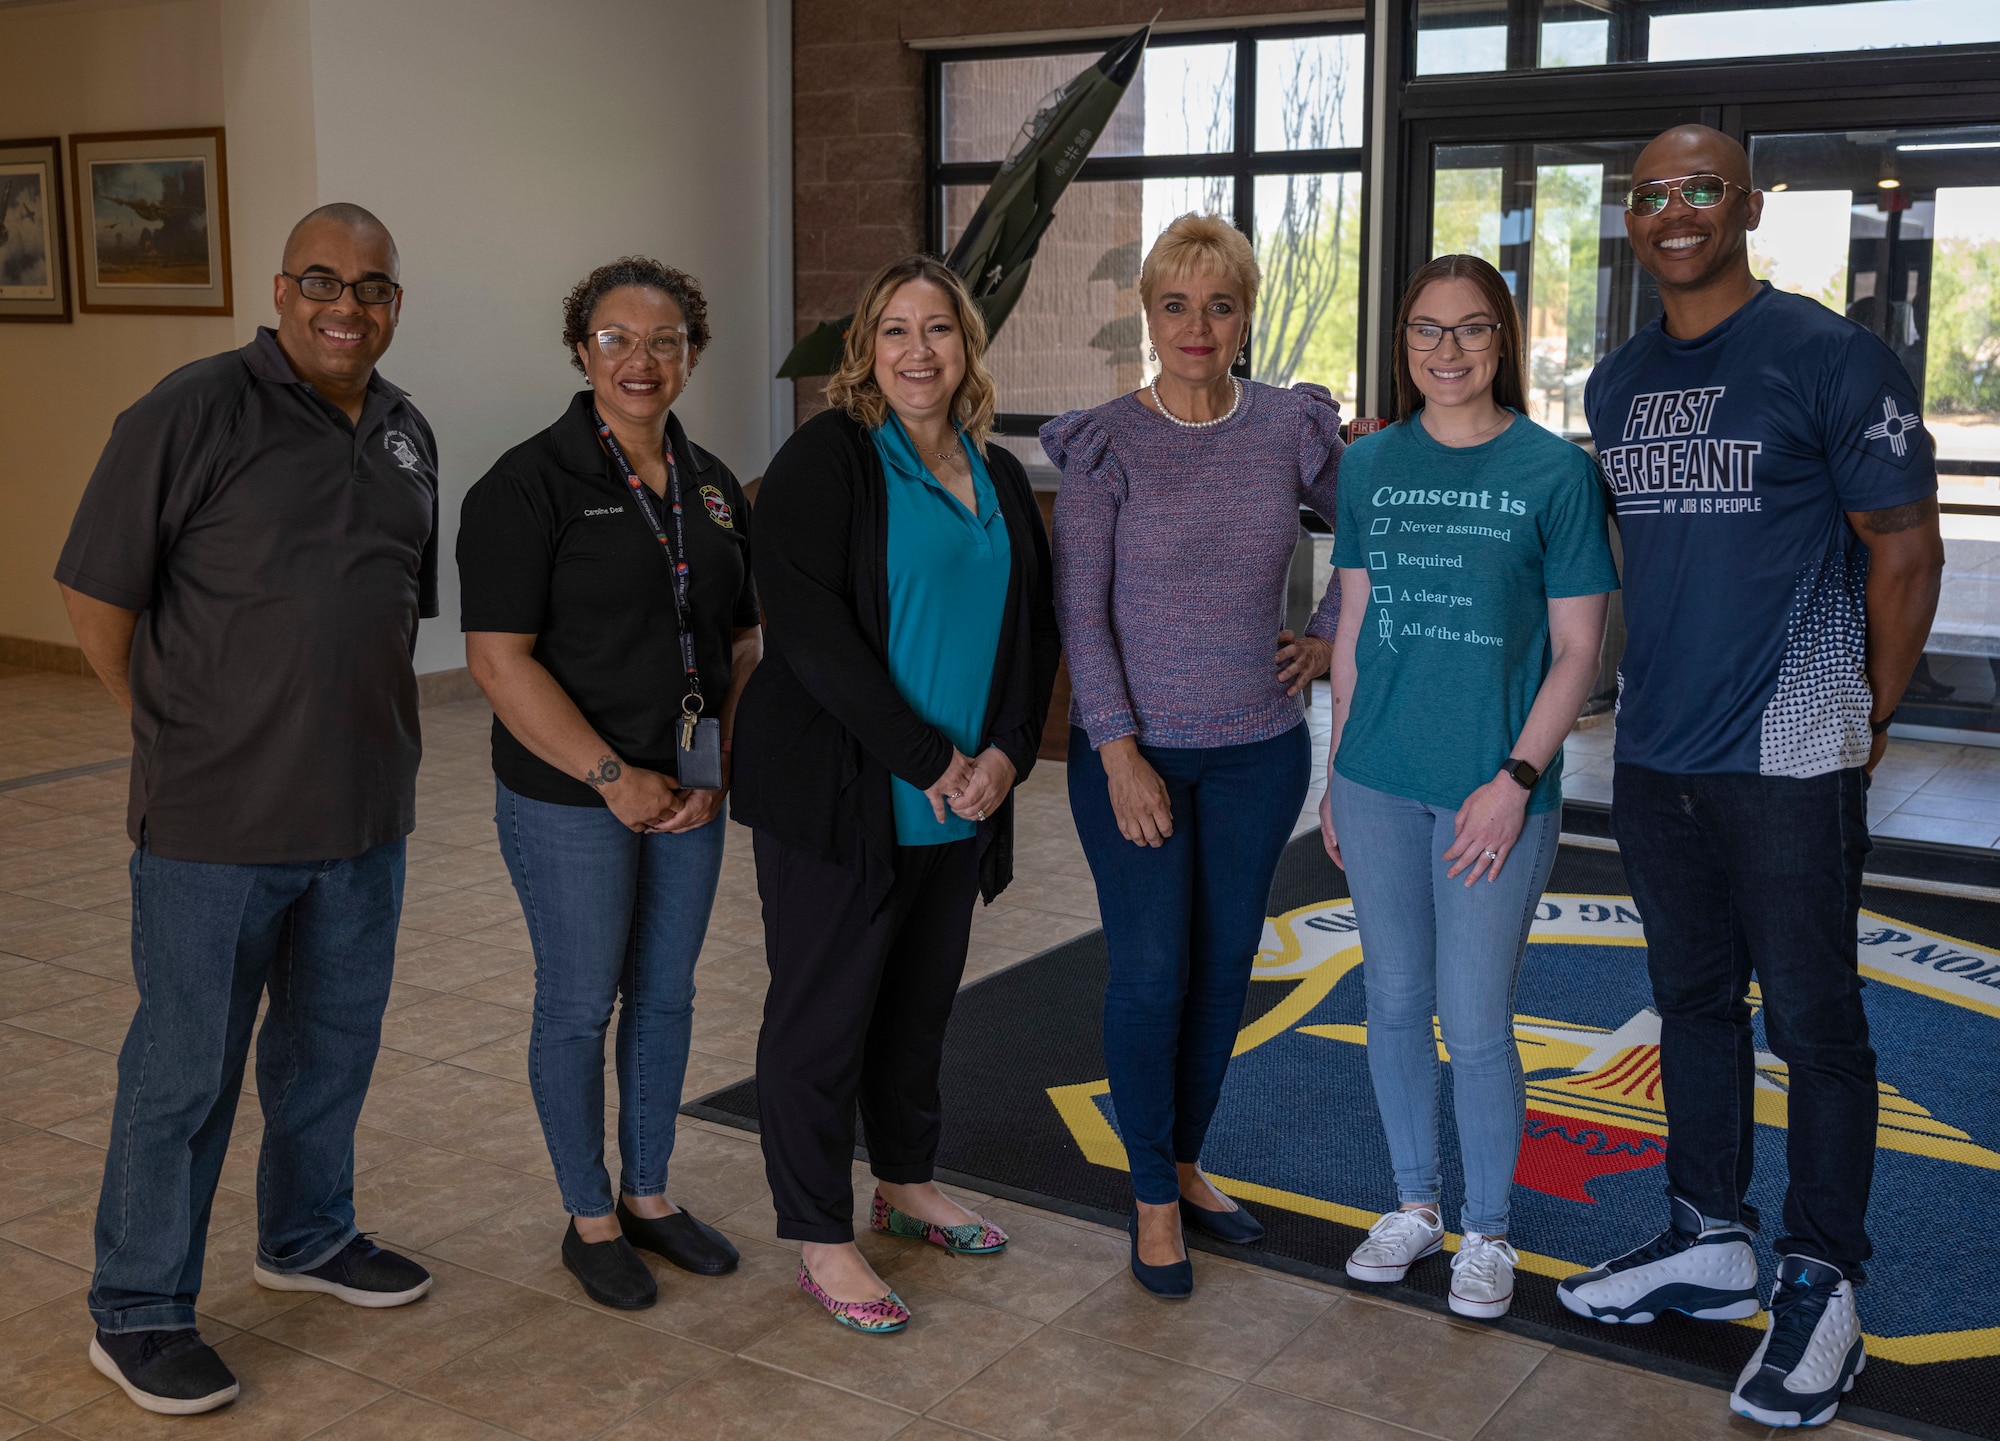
(1472, 336)
(665, 346)
(329, 287)
(1703, 192)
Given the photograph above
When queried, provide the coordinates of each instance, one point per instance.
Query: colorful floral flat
(877, 1318)
(974, 1238)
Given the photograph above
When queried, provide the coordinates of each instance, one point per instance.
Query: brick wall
(858, 125)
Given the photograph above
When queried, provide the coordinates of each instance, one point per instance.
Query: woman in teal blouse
(910, 650)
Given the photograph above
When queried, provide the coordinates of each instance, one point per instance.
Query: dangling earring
(1152, 354)
(1243, 355)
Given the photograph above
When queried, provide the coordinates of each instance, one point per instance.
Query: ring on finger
(1491, 855)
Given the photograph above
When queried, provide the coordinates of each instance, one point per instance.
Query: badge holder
(698, 757)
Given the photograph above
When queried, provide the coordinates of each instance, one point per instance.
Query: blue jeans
(1740, 876)
(1181, 925)
(1434, 947)
(207, 941)
(614, 916)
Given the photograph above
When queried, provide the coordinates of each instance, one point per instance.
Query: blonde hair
(1197, 244)
(853, 387)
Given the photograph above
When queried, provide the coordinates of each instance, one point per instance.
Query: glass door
(1899, 229)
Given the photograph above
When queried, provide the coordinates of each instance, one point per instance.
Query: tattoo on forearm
(1899, 517)
(607, 770)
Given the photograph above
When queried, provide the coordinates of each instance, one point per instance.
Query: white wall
(510, 145)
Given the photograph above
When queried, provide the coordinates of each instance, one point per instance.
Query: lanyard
(691, 704)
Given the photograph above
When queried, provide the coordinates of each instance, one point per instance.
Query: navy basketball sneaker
(1707, 1272)
(1811, 1351)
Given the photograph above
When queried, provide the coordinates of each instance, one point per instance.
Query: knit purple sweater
(1172, 547)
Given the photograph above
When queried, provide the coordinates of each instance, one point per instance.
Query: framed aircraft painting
(152, 222)
(34, 238)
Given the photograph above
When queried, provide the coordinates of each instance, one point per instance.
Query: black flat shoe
(610, 1272)
(1237, 1226)
(690, 1244)
(1173, 1282)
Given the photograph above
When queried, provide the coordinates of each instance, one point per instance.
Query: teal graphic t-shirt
(1463, 549)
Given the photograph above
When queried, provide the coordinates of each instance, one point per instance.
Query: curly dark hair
(580, 306)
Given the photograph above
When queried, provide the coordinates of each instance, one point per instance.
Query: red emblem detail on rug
(1561, 1155)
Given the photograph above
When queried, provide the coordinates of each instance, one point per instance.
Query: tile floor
(1922, 790)
(1049, 1340)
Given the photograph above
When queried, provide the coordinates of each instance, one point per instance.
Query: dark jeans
(207, 941)
(859, 999)
(1181, 924)
(1742, 876)
(615, 917)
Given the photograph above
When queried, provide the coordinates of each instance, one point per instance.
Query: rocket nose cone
(1121, 61)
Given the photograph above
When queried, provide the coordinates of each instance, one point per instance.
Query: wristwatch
(1876, 727)
(1523, 774)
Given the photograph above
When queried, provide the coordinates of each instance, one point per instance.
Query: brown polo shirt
(279, 557)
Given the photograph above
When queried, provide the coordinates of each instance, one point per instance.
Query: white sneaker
(1395, 1243)
(1811, 1352)
(1482, 1277)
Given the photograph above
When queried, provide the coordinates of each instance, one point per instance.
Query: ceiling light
(1889, 184)
(1954, 145)
(1780, 187)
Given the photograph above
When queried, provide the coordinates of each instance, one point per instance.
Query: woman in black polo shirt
(608, 667)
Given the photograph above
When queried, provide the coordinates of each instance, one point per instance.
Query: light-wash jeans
(1434, 947)
(615, 917)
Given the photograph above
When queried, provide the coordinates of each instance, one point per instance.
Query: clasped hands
(650, 803)
(972, 789)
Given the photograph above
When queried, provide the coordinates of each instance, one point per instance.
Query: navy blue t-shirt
(1732, 459)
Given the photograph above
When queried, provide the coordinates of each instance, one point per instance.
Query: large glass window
(1077, 336)
(1548, 217)
(1461, 36)
(1900, 231)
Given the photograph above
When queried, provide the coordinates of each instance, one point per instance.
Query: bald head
(1699, 254)
(338, 216)
(1690, 150)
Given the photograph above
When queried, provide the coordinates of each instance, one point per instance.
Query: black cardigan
(821, 727)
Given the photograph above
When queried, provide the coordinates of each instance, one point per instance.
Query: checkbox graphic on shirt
(1379, 525)
(1378, 560)
(1382, 594)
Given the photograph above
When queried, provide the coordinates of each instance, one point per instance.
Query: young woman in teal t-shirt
(1474, 570)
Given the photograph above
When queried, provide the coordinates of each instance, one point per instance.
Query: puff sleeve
(1086, 540)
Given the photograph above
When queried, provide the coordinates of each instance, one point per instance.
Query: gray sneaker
(1395, 1243)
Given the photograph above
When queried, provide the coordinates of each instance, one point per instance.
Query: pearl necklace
(1153, 386)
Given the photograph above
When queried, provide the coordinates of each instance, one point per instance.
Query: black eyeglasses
(1476, 335)
(329, 287)
(1703, 192)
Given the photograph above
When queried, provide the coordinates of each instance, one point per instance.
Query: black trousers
(1744, 877)
(857, 1008)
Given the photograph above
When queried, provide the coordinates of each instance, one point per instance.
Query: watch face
(1525, 775)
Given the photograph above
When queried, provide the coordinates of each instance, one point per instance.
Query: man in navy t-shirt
(1776, 496)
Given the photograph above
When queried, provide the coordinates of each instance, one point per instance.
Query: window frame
(1918, 87)
(1243, 163)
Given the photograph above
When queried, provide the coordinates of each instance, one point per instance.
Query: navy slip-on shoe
(1238, 1226)
(1172, 1282)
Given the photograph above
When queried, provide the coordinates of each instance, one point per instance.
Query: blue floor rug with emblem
(1297, 1137)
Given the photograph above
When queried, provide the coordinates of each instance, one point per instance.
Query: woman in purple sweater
(1189, 757)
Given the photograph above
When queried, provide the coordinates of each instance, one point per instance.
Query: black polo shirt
(279, 557)
(551, 544)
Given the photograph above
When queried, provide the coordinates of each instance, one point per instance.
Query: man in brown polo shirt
(246, 572)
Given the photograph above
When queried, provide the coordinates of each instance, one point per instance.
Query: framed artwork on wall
(34, 236)
(152, 222)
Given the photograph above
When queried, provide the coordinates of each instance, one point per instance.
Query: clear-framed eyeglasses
(665, 346)
(1475, 335)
